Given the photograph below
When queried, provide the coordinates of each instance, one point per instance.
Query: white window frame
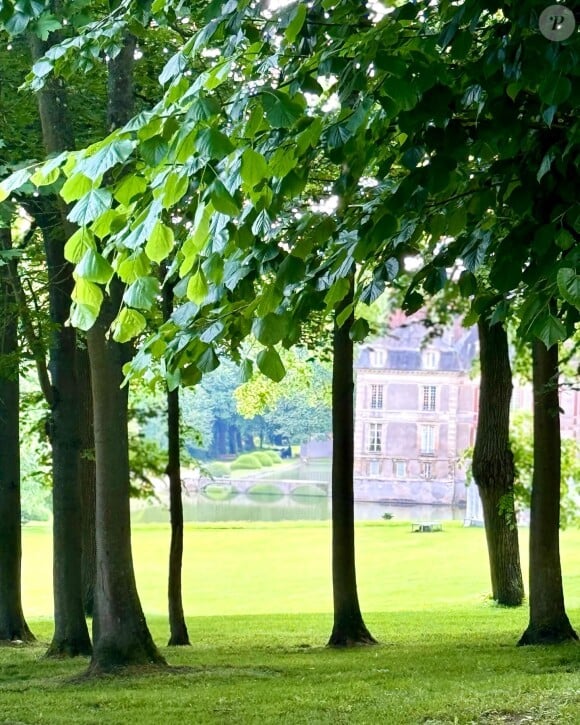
(429, 398)
(427, 440)
(427, 470)
(377, 396)
(400, 469)
(430, 359)
(375, 468)
(375, 437)
(377, 357)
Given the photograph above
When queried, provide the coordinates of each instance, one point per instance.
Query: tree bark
(71, 635)
(349, 628)
(120, 633)
(493, 465)
(549, 623)
(12, 623)
(177, 625)
(87, 478)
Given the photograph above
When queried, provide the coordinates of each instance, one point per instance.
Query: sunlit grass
(258, 602)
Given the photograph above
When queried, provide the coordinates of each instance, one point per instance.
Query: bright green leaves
(127, 325)
(75, 187)
(116, 152)
(296, 23)
(94, 268)
(197, 288)
(87, 298)
(160, 243)
(254, 168)
(270, 329)
(270, 364)
(213, 144)
(14, 182)
(222, 200)
(76, 246)
(90, 206)
(143, 293)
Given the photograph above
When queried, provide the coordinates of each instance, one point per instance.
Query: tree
(493, 464)
(12, 623)
(549, 622)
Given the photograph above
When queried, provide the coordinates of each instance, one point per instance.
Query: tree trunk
(493, 465)
(549, 623)
(120, 633)
(349, 628)
(177, 626)
(71, 635)
(87, 478)
(12, 623)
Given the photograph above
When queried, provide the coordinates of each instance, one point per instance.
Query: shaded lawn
(446, 656)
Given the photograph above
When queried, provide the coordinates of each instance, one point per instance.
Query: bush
(218, 493)
(247, 461)
(388, 516)
(264, 457)
(274, 456)
(308, 489)
(218, 469)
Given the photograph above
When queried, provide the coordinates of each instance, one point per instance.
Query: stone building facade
(416, 414)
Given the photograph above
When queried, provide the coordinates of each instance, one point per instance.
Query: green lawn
(258, 602)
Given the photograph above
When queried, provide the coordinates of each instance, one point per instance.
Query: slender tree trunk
(177, 626)
(549, 623)
(12, 623)
(87, 477)
(349, 628)
(493, 465)
(71, 635)
(120, 633)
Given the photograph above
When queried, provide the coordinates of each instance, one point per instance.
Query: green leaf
(14, 182)
(175, 188)
(270, 364)
(246, 370)
(142, 293)
(213, 331)
(295, 25)
(208, 360)
(88, 294)
(569, 286)
(554, 92)
(281, 110)
(546, 164)
(359, 330)
(254, 168)
(75, 187)
(160, 243)
(270, 329)
(135, 266)
(401, 91)
(82, 316)
(213, 144)
(550, 330)
(90, 206)
(337, 292)
(77, 245)
(42, 177)
(467, 284)
(94, 268)
(131, 186)
(127, 325)
(112, 154)
(197, 288)
(262, 224)
(222, 200)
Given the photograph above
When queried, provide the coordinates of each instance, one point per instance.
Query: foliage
(219, 469)
(247, 461)
(263, 457)
(523, 450)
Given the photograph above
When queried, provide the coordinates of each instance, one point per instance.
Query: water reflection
(221, 503)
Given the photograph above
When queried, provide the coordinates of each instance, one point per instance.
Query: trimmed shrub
(274, 456)
(247, 461)
(215, 492)
(263, 457)
(219, 469)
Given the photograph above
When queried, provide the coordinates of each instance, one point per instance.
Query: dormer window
(430, 359)
(377, 358)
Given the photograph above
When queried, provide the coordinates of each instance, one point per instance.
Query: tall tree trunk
(12, 623)
(493, 465)
(549, 623)
(177, 626)
(120, 633)
(87, 478)
(71, 635)
(349, 628)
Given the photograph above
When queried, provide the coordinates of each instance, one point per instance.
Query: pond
(307, 503)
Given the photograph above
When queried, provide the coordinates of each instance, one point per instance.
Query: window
(429, 397)
(427, 433)
(427, 471)
(374, 468)
(400, 469)
(376, 397)
(375, 431)
(377, 358)
(430, 360)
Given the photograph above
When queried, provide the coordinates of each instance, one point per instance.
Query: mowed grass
(258, 601)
